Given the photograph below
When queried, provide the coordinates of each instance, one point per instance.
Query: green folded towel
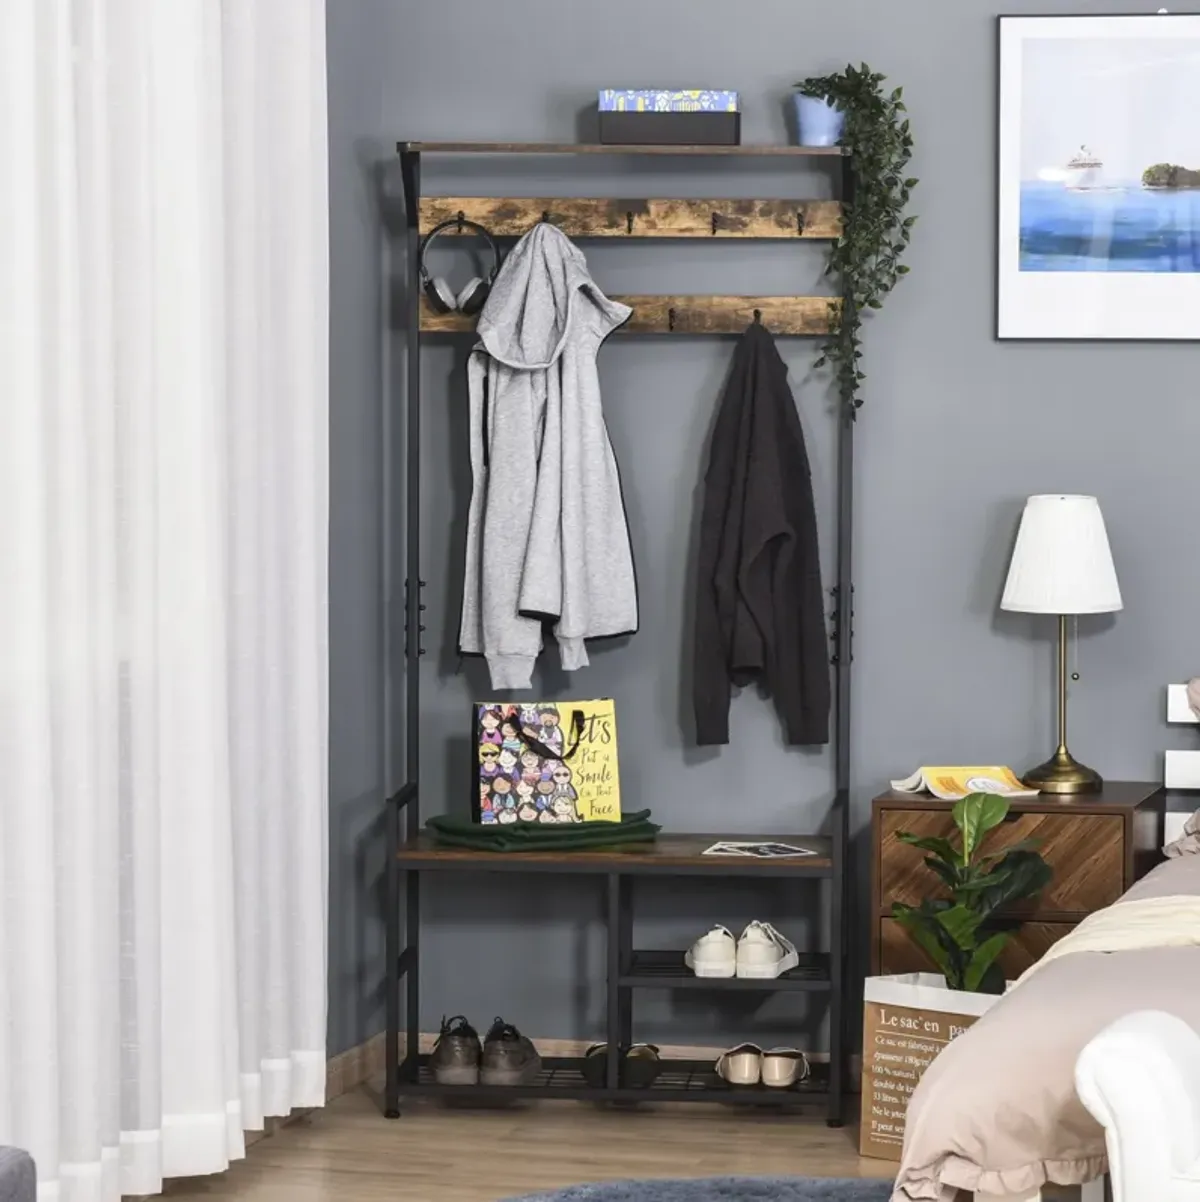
(537, 836)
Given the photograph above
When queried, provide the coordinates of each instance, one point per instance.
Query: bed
(997, 1112)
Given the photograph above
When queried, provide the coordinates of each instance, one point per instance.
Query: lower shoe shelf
(667, 970)
(679, 1081)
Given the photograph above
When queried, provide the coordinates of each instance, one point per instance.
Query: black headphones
(442, 297)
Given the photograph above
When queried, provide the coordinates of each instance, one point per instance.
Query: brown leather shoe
(457, 1053)
(509, 1058)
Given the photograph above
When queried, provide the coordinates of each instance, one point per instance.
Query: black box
(670, 129)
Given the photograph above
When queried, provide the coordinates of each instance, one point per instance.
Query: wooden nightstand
(1098, 844)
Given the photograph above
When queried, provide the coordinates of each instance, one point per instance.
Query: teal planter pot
(818, 123)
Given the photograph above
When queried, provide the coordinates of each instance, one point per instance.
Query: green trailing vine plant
(875, 231)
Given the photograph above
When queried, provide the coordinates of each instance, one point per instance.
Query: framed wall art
(1099, 177)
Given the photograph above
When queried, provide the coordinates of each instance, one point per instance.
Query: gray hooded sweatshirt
(547, 538)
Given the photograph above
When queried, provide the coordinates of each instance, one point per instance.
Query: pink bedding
(996, 1111)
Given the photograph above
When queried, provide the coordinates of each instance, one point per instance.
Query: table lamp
(1062, 565)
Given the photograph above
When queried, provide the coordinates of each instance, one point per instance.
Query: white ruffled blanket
(1126, 927)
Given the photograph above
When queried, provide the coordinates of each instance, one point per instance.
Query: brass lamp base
(1063, 773)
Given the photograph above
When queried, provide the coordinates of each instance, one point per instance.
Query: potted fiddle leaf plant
(961, 934)
(909, 1017)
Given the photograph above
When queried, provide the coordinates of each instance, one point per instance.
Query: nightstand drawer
(898, 953)
(1085, 851)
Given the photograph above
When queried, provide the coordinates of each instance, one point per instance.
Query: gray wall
(359, 63)
(957, 430)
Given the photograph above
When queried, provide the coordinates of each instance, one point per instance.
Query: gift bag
(555, 761)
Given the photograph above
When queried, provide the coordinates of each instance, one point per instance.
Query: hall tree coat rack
(412, 853)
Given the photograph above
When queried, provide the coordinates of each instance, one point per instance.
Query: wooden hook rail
(784, 315)
(604, 217)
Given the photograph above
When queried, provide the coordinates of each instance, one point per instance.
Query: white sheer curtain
(163, 505)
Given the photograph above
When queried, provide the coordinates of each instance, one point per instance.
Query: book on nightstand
(951, 784)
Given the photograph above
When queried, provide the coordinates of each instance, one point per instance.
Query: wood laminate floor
(435, 1153)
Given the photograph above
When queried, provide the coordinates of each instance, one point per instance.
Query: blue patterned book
(667, 100)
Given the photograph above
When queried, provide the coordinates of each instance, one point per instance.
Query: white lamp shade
(1062, 563)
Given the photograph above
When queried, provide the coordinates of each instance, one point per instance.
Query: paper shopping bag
(554, 761)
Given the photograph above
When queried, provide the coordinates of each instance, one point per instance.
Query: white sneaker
(763, 953)
(713, 955)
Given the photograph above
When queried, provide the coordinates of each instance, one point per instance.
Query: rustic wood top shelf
(669, 855)
(750, 150)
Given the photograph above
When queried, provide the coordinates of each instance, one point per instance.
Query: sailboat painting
(1084, 173)
(1099, 178)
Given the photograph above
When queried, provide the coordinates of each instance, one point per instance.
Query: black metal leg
(613, 1008)
(844, 660)
(391, 1093)
(410, 166)
(837, 968)
(625, 958)
(412, 1005)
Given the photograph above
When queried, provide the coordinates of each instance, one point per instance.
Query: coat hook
(461, 218)
(758, 317)
(800, 222)
(629, 221)
(671, 319)
(546, 216)
(716, 217)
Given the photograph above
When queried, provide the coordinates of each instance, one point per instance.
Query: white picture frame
(1096, 238)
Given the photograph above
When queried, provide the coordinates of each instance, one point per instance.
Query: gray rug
(725, 1189)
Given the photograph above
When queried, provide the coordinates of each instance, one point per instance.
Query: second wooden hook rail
(673, 315)
(803, 316)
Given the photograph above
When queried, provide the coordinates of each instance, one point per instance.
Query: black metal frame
(627, 968)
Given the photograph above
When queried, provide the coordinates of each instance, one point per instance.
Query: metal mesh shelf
(667, 970)
(562, 1077)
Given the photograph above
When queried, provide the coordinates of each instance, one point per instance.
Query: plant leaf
(1000, 853)
(982, 959)
(1025, 874)
(920, 927)
(993, 981)
(960, 923)
(931, 843)
(948, 872)
(975, 815)
(954, 930)
(972, 881)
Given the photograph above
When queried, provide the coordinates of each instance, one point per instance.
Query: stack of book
(669, 117)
